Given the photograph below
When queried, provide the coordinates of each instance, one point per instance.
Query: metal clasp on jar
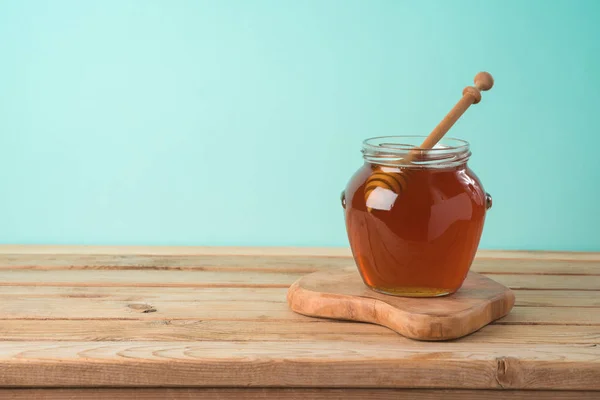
(488, 201)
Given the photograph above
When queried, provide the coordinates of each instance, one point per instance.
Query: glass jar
(414, 218)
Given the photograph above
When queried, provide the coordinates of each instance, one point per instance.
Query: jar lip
(393, 150)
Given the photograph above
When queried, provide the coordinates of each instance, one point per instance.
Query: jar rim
(394, 151)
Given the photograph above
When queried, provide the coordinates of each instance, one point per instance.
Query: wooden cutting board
(340, 293)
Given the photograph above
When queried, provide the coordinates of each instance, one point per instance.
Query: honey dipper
(396, 181)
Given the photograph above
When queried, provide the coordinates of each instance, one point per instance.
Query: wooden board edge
(288, 393)
(342, 251)
(424, 327)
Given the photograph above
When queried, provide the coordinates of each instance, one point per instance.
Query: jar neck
(404, 152)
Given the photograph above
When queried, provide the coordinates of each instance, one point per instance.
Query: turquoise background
(239, 122)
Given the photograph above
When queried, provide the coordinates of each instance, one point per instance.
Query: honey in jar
(414, 227)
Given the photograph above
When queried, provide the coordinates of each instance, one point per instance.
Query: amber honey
(418, 241)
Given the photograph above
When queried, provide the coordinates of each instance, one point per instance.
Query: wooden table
(183, 323)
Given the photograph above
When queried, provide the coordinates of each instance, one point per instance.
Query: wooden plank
(166, 278)
(141, 303)
(564, 334)
(86, 308)
(251, 311)
(539, 255)
(557, 298)
(549, 282)
(299, 264)
(552, 316)
(274, 251)
(99, 320)
(531, 267)
(299, 364)
(531, 298)
(201, 330)
(290, 394)
(265, 263)
(172, 294)
(152, 278)
(270, 330)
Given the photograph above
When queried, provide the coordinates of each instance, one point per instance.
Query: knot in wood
(143, 308)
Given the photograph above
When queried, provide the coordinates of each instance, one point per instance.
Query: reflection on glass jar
(414, 227)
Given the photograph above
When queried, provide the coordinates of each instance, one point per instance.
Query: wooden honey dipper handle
(471, 95)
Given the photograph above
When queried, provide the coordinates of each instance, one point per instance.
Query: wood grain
(519, 315)
(300, 364)
(168, 278)
(557, 298)
(242, 304)
(290, 393)
(549, 282)
(298, 264)
(341, 294)
(535, 267)
(107, 294)
(152, 278)
(270, 263)
(271, 330)
(214, 323)
(60, 250)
